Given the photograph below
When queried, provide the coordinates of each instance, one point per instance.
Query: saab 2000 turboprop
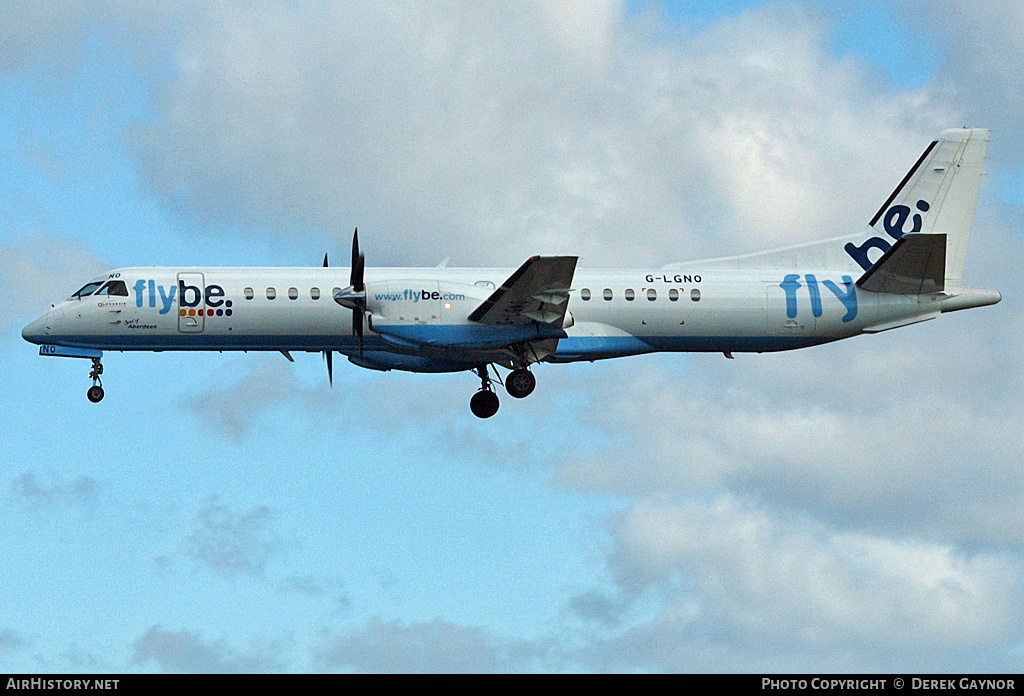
(904, 268)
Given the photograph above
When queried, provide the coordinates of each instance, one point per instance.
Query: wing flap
(537, 292)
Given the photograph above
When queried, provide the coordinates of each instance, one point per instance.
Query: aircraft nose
(38, 331)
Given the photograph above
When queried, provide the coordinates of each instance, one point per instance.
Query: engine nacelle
(415, 314)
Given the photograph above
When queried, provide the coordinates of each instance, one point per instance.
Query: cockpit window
(114, 287)
(88, 290)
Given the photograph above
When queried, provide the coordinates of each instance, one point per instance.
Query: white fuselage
(628, 311)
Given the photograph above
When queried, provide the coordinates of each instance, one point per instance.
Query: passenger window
(293, 293)
(249, 294)
(335, 291)
(673, 294)
(630, 295)
(271, 293)
(88, 290)
(607, 293)
(585, 295)
(314, 293)
(695, 295)
(652, 294)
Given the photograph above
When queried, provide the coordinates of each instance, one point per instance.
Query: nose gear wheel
(95, 392)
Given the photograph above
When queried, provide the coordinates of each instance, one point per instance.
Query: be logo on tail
(894, 222)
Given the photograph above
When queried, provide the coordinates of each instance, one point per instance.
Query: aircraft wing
(537, 292)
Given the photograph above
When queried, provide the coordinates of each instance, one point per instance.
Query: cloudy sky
(851, 507)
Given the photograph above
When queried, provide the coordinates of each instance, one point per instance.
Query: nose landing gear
(95, 392)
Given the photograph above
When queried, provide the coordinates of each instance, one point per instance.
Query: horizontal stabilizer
(915, 265)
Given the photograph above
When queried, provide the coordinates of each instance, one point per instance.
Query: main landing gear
(519, 385)
(95, 392)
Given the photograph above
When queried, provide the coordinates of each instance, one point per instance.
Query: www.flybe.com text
(408, 295)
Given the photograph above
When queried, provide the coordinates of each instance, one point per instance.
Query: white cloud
(28, 27)
(85, 659)
(230, 542)
(596, 606)
(80, 493)
(983, 63)
(472, 129)
(432, 410)
(41, 31)
(424, 647)
(737, 579)
(234, 407)
(40, 272)
(10, 642)
(583, 34)
(189, 652)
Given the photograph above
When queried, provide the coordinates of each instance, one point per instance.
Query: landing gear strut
(95, 392)
(484, 403)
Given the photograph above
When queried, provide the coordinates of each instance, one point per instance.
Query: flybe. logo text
(188, 296)
(847, 294)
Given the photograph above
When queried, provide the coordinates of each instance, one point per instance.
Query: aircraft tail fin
(938, 195)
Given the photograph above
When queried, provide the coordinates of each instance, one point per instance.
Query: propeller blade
(355, 296)
(358, 263)
(325, 260)
(330, 367)
(357, 328)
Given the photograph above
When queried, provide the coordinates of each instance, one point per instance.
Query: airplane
(905, 267)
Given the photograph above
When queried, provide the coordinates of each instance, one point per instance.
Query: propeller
(356, 282)
(327, 354)
(354, 296)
